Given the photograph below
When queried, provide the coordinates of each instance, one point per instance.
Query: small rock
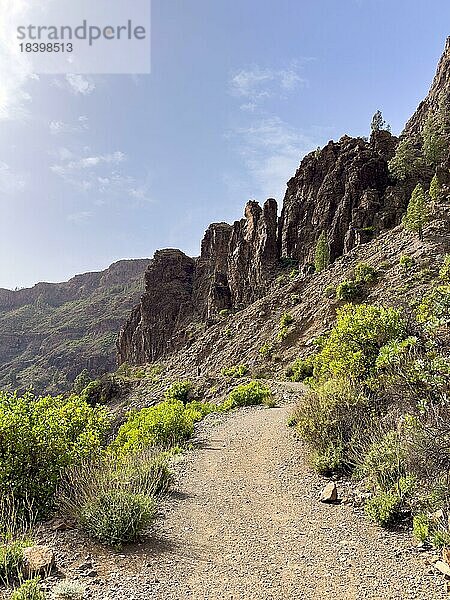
(39, 560)
(443, 567)
(329, 493)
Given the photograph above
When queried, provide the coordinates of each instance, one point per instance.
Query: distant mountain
(51, 332)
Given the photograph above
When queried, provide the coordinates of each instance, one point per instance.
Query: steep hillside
(346, 189)
(51, 332)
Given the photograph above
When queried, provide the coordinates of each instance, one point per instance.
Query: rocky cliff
(51, 332)
(344, 189)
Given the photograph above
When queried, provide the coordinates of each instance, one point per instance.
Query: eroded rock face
(340, 189)
(343, 189)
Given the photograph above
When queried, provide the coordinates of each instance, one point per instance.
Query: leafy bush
(247, 395)
(39, 437)
(30, 590)
(329, 416)
(266, 350)
(406, 261)
(167, 424)
(351, 349)
(69, 590)
(383, 508)
(235, 371)
(444, 272)
(434, 309)
(180, 390)
(365, 273)
(300, 369)
(421, 527)
(286, 320)
(224, 313)
(384, 462)
(348, 290)
(322, 254)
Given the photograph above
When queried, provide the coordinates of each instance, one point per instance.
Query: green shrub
(39, 437)
(300, 369)
(294, 273)
(329, 416)
(322, 253)
(444, 272)
(421, 527)
(286, 320)
(351, 349)
(235, 371)
(348, 290)
(180, 390)
(224, 313)
(406, 261)
(394, 352)
(250, 394)
(117, 516)
(383, 508)
(167, 424)
(11, 560)
(329, 460)
(30, 590)
(266, 350)
(384, 462)
(434, 309)
(113, 498)
(365, 273)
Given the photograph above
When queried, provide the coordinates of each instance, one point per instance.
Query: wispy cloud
(80, 85)
(68, 167)
(100, 175)
(10, 182)
(256, 84)
(60, 127)
(271, 151)
(80, 217)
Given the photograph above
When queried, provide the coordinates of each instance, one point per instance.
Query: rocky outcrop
(440, 90)
(235, 267)
(343, 189)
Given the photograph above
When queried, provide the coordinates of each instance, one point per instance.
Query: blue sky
(98, 168)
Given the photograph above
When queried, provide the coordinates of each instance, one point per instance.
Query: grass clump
(114, 499)
(406, 262)
(236, 371)
(12, 560)
(69, 590)
(251, 394)
(266, 350)
(30, 590)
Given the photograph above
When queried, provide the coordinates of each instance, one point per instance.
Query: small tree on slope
(322, 258)
(417, 212)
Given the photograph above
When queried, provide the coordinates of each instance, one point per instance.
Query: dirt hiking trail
(246, 524)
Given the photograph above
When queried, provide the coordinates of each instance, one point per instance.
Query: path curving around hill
(245, 523)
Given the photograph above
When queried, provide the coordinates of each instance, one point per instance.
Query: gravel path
(246, 524)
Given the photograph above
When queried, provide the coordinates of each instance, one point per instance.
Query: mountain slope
(51, 332)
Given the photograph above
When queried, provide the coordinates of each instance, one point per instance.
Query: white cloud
(79, 84)
(99, 175)
(10, 182)
(81, 216)
(15, 67)
(257, 84)
(60, 127)
(88, 162)
(271, 151)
